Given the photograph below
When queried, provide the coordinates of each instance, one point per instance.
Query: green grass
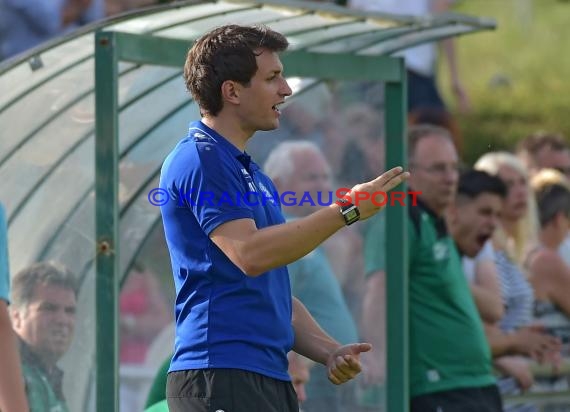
(517, 76)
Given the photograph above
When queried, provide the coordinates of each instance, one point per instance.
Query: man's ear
(231, 92)
(16, 315)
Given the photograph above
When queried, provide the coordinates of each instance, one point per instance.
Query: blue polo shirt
(224, 319)
(4, 272)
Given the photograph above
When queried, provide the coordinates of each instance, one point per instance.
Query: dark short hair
(535, 142)
(473, 183)
(551, 200)
(226, 53)
(421, 131)
(41, 273)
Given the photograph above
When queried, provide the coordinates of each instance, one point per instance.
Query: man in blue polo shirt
(235, 317)
(12, 395)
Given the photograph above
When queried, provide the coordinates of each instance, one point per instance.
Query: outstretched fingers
(390, 179)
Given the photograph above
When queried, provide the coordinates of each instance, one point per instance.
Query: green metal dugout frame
(110, 95)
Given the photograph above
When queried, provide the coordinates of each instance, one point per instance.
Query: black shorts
(228, 390)
(484, 399)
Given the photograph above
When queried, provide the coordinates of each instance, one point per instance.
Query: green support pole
(397, 330)
(106, 221)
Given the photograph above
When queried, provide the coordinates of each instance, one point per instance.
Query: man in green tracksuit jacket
(450, 365)
(43, 314)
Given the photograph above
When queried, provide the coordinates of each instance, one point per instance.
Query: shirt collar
(245, 159)
(54, 374)
(439, 221)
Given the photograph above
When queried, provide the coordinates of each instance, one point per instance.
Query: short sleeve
(470, 264)
(4, 272)
(206, 180)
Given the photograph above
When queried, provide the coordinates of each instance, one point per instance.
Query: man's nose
(64, 317)
(494, 222)
(452, 175)
(286, 89)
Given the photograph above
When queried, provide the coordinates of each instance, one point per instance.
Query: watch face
(351, 214)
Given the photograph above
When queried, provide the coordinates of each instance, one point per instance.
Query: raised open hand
(369, 196)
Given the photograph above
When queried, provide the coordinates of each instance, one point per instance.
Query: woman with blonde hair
(511, 241)
(519, 220)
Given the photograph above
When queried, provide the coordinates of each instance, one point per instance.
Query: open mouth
(276, 107)
(482, 239)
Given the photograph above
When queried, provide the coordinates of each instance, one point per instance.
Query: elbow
(252, 270)
(498, 310)
(252, 265)
(251, 257)
(494, 313)
(500, 313)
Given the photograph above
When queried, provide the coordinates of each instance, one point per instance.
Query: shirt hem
(249, 368)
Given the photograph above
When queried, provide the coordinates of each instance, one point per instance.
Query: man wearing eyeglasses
(450, 361)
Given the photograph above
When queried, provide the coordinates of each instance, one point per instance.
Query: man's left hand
(344, 363)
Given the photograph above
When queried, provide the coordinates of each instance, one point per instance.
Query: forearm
(501, 344)
(504, 364)
(280, 245)
(559, 295)
(490, 307)
(448, 47)
(374, 311)
(311, 340)
(255, 251)
(12, 395)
